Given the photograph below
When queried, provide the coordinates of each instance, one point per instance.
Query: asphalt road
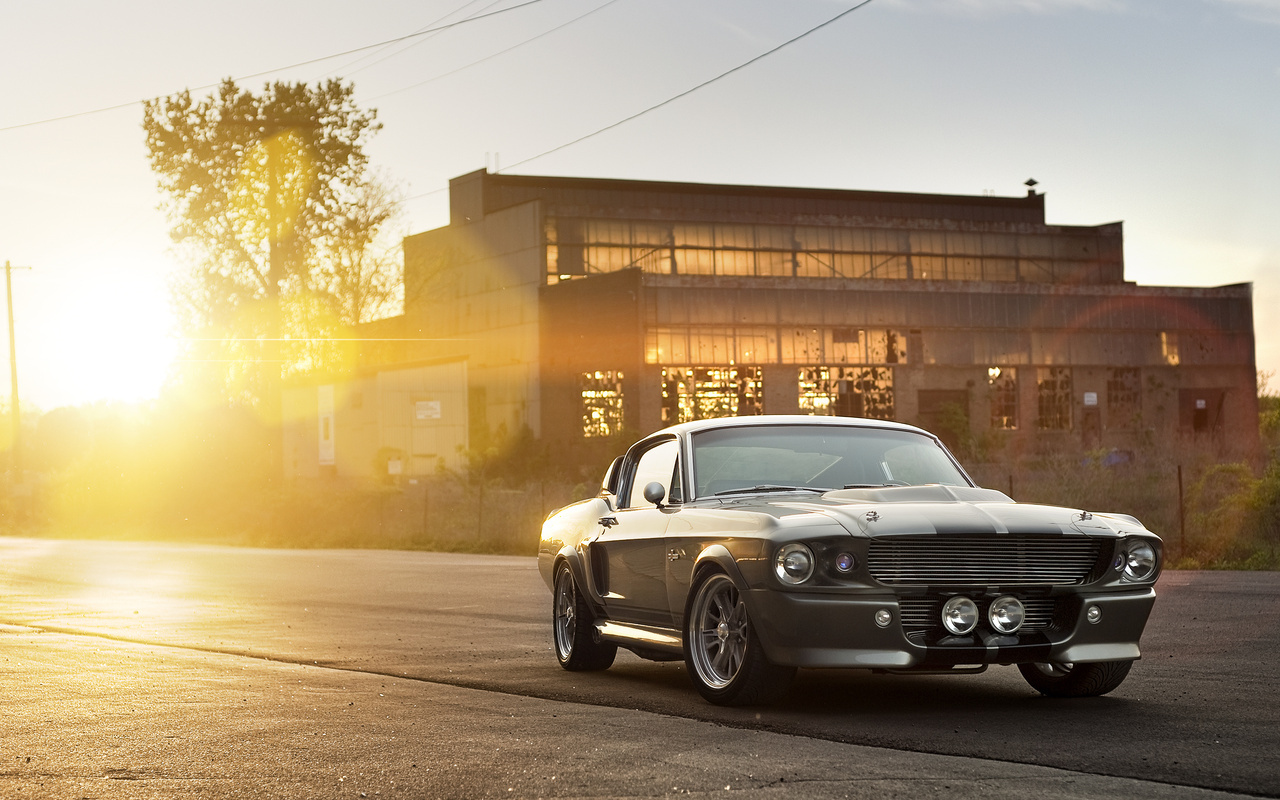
(142, 670)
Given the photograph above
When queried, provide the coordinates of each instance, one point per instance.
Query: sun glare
(130, 364)
(105, 334)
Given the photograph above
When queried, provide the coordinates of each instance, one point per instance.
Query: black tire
(721, 650)
(1075, 680)
(572, 628)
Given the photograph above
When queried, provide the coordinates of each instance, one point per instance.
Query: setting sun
(112, 339)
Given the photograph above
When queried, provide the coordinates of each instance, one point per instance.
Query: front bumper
(820, 630)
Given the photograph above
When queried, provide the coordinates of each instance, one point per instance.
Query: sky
(1163, 114)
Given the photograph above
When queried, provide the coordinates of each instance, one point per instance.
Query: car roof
(787, 419)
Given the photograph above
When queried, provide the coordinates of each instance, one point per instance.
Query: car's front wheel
(572, 628)
(1059, 679)
(721, 651)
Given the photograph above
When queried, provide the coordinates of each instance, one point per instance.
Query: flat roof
(503, 191)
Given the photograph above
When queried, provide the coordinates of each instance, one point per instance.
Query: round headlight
(794, 563)
(1140, 561)
(1006, 614)
(960, 615)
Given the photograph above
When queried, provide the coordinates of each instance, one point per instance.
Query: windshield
(767, 457)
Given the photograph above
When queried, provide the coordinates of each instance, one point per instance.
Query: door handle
(608, 522)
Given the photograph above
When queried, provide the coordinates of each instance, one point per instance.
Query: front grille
(925, 613)
(940, 560)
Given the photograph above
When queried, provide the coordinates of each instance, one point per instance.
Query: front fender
(581, 576)
(566, 529)
(714, 557)
(718, 556)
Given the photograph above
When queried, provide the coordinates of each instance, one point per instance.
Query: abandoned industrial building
(580, 309)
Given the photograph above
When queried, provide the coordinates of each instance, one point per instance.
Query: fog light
(883, 617)
(1006, 614)
(960, 615)
(1118, 564)
(1093, 614)
(845, 562)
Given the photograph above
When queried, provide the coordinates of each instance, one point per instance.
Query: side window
(656, 464)
(612, 477)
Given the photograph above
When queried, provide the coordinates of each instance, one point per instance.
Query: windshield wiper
(873, 485)
(771, 487)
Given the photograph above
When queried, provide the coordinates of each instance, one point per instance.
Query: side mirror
(655, 492)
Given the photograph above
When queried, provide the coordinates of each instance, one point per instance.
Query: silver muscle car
(755, 545)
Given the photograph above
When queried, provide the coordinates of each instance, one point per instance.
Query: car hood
(947, 510)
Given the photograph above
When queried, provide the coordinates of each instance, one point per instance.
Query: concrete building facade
(589, 310)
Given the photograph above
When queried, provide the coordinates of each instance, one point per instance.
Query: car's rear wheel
(1075, 680)
(722, 653)
(573, 629)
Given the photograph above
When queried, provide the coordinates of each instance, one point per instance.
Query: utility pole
(14, 418)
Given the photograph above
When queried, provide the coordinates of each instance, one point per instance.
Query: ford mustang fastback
(752, 546)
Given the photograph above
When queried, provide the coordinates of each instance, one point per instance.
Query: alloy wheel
(719, 631)
(566, 622)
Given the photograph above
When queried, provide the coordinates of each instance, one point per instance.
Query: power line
(414, 44)
(688, 92)
(669, 100)
(493, 55)
(422, 29)
(306, 63)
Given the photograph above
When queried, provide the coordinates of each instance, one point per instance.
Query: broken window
(576, 247)
(1053, 389)
(765, 345)
(1169, 348)
(886, 347)
(847, 391)
(710, 345)
(1124, 397)
(801, 345)
(690, 393)
(1002, 386)
(580, 247)
(601, 403)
